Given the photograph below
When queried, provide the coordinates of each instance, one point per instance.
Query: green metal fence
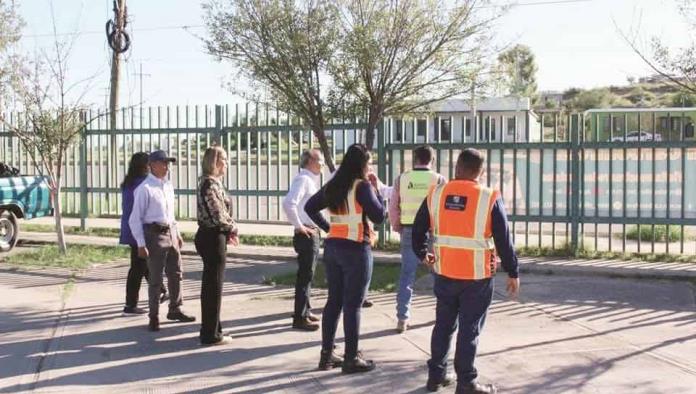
(576, 181)
(588, 180)
(263, 145)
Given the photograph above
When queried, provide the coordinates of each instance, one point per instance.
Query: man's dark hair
(469, 163)
(423, 154)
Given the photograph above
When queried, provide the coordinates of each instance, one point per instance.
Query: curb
(528, 265)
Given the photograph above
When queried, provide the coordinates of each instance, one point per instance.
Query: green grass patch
(563, 250)
(256, 240)
(661, 234)
(385, 277)
(78, 256)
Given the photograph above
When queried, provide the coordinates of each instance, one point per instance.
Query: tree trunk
(373, 119)
(324, 146)
(58, 216)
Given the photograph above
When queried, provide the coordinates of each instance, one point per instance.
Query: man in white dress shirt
(154, 228)
(306, 239)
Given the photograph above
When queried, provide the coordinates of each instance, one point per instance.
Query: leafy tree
(581, 100)
(281, 46)
(400, 56)
(682, 99)
(518, 69)
(640, 97)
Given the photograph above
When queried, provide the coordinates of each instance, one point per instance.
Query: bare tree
(677, 67)
(283, 46)
(10, 32)
(401, 55)
(50, 116)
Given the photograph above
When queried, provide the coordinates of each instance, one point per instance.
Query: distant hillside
(645, 94)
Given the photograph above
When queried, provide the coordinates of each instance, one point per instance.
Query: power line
(91, 32)
(186, 27)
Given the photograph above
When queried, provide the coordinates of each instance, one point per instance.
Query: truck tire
(9, 230)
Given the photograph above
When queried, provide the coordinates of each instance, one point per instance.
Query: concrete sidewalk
(548, 266)
(65, 333)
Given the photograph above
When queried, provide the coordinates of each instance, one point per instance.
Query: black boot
(358, 365)
(329, 360)
(435, 384)
(476, 388)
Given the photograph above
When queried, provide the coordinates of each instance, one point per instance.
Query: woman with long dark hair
(354, 204)
(137, 172)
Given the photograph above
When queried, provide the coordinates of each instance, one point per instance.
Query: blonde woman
(216, 229)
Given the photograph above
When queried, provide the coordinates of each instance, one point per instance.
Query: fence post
(83, 179)
(381, 172)
(218, 125)
(575, 127)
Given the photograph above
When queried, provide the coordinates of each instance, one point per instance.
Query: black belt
(161, 228)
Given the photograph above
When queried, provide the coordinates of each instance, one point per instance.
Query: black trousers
(211, 245)
(307, 249)
(137, 271)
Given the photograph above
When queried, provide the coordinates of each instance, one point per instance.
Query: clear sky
(576, 44)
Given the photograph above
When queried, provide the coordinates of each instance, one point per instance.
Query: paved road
(567, 334)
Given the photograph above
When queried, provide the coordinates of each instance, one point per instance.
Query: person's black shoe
(476, 388)
(153, 325)
(329, 360)
(434, 385)
(305, 324)
(133, 310)
(180, 316)
(357, 365)
(367, 303)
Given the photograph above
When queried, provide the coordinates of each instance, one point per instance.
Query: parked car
(21, 197)
(638, 136)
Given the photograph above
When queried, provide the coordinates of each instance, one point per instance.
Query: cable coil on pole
(117, 37)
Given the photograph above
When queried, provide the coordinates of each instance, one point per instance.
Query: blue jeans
(462, 303)
(407, 278)
(347, 274)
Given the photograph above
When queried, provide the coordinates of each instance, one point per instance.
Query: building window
(492, 129)
(445, 129)
(398, 129)
(511, 126)
(467, 127)
(422, 127)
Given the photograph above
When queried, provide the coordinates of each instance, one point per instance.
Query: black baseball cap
(160, 155)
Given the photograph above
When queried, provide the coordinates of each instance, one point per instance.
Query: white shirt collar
(305, 171)
(156, 180)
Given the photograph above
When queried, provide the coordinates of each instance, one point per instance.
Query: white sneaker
(401, 326)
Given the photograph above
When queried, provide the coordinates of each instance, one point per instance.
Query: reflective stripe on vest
(413, 189)
(349, 225)
(472, 250)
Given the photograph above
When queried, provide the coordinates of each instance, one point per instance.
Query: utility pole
(119, 42)
(140, 75)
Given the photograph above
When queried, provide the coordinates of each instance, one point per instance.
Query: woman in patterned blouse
(216, 229)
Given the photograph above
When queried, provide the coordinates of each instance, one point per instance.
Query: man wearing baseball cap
(154, 228)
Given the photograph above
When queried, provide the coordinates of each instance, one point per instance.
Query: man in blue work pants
(464, 304)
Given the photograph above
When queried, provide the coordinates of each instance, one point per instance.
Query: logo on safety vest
(455, 203)
(416, 185)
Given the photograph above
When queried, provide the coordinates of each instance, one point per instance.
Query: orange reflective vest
(349, 222)
(460, 221)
